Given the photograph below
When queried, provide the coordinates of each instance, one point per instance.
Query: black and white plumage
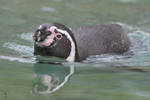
(53, 39)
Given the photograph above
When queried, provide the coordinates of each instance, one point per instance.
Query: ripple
(57, 0)
(21, 49)
(26, 36)
(22, 60)
(47, 9)
(127, 1)
(141, 93)
(7, 9)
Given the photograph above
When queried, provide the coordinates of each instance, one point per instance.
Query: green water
(104, 77)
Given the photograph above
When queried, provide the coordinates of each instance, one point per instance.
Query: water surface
(101, 77)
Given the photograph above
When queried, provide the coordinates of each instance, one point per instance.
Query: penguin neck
(73, 56)
(74, 51)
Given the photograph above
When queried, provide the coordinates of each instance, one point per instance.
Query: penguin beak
(34, 37)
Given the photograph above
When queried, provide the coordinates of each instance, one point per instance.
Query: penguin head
(48, 35)
(57, 40)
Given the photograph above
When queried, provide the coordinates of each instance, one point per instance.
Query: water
(101, 77)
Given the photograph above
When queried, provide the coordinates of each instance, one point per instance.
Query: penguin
(75, 45)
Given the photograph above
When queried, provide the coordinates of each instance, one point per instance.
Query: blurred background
(22, 78)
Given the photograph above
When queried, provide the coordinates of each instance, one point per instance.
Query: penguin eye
(58, 36)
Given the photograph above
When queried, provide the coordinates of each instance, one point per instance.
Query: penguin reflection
(50, 77)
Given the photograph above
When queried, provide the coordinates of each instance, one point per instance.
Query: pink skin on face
(52, 29)
(50, 38)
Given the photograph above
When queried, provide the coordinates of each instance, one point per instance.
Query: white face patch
(39, 38)
(71, 56)
(39, 33)
(40, 27)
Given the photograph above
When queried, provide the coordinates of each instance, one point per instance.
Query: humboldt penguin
(76, 44)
